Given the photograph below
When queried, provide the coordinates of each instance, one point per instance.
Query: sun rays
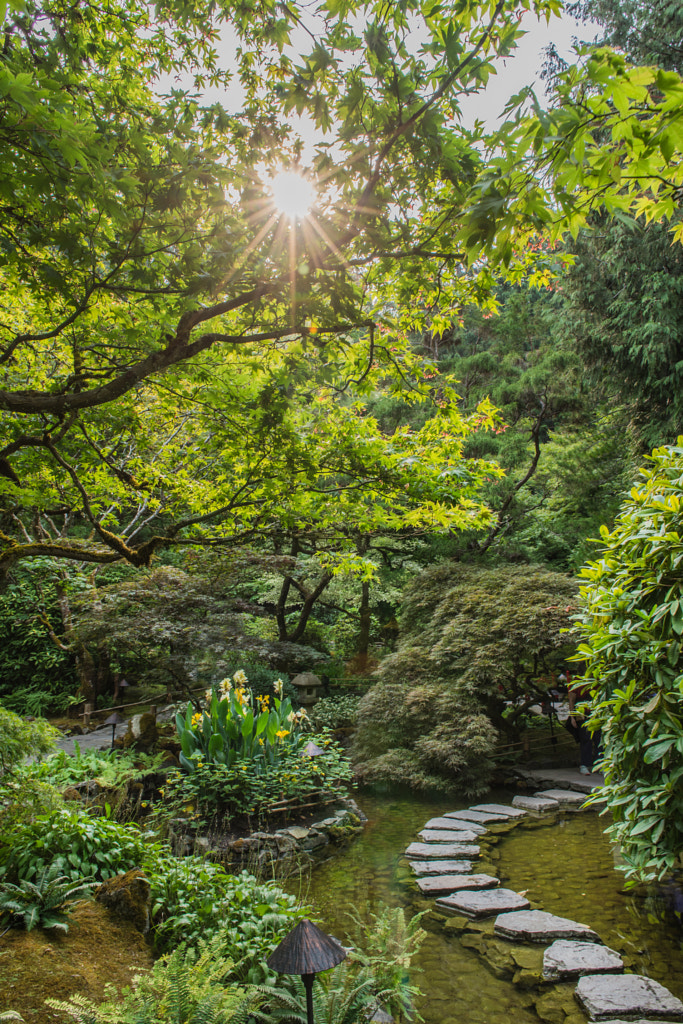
(296, 219)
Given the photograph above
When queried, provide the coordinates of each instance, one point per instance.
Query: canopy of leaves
(158, 314)
(631, 623)
(649, 32)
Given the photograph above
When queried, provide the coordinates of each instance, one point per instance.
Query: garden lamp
(312, 749)
(113, 721)
(305, 951)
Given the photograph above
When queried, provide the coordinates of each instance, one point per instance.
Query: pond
(567, 867)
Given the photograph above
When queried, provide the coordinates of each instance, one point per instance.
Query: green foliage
(188, 986)
(73, 842)
(649, 33)
(473, 642)
(36, 675)
(111, 769)
(193, 899)
(44, 903)
(343, 995)
(335, 712)
(24, 797)
(375, 974)
(219, 792)
(631, 624)
(167, 230)
(238, 727)
(20, 739)
(623, 308)
(425, 736)
(387, 944)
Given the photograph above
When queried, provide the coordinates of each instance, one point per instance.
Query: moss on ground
(97, 950)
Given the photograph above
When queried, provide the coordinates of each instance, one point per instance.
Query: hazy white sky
(524, 67)
(519, 70)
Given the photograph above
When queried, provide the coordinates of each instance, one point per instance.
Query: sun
(293, 194)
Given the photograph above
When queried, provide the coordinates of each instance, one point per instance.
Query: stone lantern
(308, 684)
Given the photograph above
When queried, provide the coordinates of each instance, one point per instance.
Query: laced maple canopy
(173, 349)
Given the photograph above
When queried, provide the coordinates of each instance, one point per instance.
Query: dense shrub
(632, 628)
(20, 739)
(109, 768)
(477, 648)
(335, 712)
(222, 791)
(73, 841)
(193, 899)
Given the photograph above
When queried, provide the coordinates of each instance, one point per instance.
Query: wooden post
(87, 712)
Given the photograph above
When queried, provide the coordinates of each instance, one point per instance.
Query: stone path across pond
(442, 864)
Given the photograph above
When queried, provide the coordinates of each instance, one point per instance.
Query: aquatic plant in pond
(236, 726)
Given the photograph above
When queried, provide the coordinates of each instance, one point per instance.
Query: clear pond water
(566, 865)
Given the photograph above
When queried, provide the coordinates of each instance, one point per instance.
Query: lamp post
(113, 721)
(312, 749)
(305, 951)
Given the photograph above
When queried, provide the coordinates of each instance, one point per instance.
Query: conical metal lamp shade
(306, 950)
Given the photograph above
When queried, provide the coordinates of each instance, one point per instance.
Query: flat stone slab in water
(540, 926)
(454, 825)
(535, 804)
(479, 817)
(483, 904)
(448, 851)
(509, 812)
(437, 885)
(441, 835)
(469, 823)
(567, 958)
(564, 797)
(630, 995)
(441, 867)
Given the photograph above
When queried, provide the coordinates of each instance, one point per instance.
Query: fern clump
(44, 903)
(185, 987)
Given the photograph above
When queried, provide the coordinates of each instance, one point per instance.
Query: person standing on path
(589, 742)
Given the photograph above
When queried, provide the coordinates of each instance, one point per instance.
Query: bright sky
(524, 67)
(517, 71)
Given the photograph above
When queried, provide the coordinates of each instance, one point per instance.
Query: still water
(567, 867)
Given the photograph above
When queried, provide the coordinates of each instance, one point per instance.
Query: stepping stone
(456, 851)
(454, 824)
(437, 885)
(441, 867)
(564, 797)
(567, 958)
(535, 804)
(509, 812)
(540, 926)
(468, 823)
(483, 904)
(630, 995)
(479, 817)
(441, 835)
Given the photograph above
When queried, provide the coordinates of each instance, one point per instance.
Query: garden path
(573, 951)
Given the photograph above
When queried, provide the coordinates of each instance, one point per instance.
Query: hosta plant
(236, 726)
(44, 903)
(74, 843)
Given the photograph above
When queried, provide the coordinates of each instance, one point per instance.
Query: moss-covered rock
(128, 896)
